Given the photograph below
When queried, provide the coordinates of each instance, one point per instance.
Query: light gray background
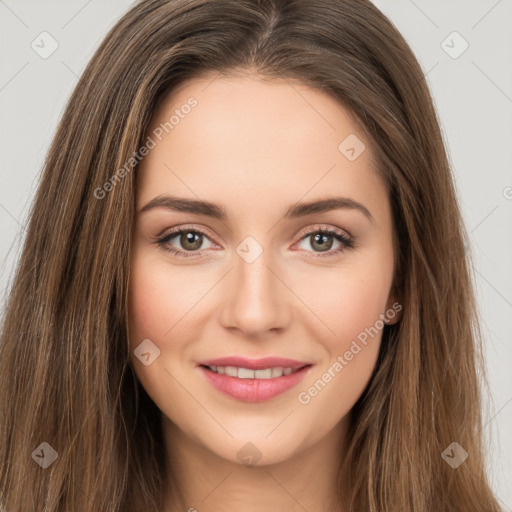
(473, 95)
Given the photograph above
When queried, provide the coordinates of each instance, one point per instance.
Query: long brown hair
(65, 374)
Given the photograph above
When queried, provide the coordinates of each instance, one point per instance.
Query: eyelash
(347, 242)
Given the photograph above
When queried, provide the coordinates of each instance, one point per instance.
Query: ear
(393, 308)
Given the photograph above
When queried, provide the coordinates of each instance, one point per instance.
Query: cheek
(158, 301)
(351, 309)
(145, 306)
(348, 304)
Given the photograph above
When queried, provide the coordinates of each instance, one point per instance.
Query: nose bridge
(255, 302)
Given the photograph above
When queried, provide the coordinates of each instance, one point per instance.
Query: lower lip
(254, 390)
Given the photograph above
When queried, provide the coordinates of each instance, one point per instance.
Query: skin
(257, 147)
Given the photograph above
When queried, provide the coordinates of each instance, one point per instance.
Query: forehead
(251, 140)
(260, 112)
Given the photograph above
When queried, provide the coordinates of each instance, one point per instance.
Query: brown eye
(191, 240)
(184, 242)
(323, 240)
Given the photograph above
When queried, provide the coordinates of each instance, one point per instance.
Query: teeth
(246, 373)
(277, 372)
(231, 371)
(262, 374)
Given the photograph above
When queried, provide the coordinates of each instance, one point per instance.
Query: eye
(191, 241)
(322, 240)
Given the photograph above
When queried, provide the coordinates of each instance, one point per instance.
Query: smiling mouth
(254, 385)
(247, 373)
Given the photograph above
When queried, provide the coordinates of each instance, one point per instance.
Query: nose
(257, 302)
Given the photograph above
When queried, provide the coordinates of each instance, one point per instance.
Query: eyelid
(325, 227)
(188, 227)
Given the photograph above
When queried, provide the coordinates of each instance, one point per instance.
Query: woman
(317, 350)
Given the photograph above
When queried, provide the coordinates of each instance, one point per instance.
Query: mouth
(254, 380)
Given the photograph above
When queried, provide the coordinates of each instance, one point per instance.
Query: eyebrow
(216, 211)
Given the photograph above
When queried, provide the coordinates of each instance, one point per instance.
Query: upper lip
(255, 364)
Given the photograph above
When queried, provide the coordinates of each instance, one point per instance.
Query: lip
(254, 390)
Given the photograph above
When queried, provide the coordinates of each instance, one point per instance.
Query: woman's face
(239, 166)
